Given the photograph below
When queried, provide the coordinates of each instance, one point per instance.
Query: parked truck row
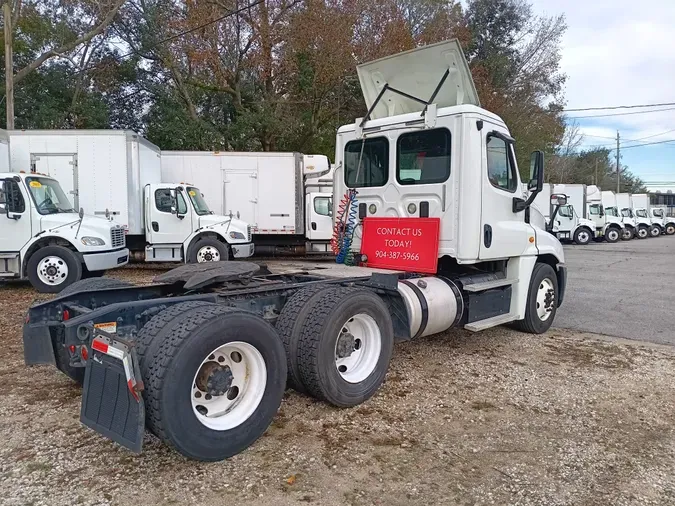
(592, 214)
(202, 356)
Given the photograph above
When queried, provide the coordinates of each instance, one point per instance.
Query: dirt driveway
(491, 418)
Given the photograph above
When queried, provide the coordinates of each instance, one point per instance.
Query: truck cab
(567, 224)
(440, 155)
(660, 218)
(608, 225)
(180, 226)
(48, 242)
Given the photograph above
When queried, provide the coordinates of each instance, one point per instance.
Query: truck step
(490, 322)
(487, 285)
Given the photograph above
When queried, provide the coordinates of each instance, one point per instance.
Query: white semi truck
(285, 197)
(565, 223)
(611, 207)
(444, 239)
(117, 174)
(640, 206)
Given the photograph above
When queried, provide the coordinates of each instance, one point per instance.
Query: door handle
(155, 226)
(487, 236)
(313, 225)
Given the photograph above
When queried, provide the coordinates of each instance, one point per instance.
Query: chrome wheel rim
(52, 270)
(208, 254)
(545, 299)
(358, 348)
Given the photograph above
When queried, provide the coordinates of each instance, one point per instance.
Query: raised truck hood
(418, 73)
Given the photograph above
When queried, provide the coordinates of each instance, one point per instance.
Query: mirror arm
(520, 204)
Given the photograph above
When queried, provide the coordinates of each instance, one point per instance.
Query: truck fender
(44, 240)
(200, 234)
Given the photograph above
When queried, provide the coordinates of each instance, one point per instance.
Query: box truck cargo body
(117, 174)
(285, 197)
(4, 151)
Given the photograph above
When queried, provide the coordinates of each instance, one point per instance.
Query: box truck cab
(116, 174)
(45, 240)
(646, 225)
(607, 226)
(623, 204)
(665, 223)
(181, 227)
(613, 213)
(285, 197)
(565, 223)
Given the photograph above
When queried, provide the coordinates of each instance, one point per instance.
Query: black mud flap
(108, 405)
(37, 345)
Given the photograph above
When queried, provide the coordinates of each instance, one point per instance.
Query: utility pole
(9, 65)
(618, 171)
(595, 179)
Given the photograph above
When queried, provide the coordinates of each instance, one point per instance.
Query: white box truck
(608, 227)
(4, 151)
(566, 223)
(285, 197)
(659, 216)
(641, 226)
(611, 207)
(642, 210)
(221, 376)
(116, 173)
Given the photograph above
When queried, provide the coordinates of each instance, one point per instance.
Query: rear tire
(207, 249)
(61, 354)
(53, 268)
(289, 326)
(539, 299)
(612, 235)
(193, 341)
(345, 346)
(582, 236)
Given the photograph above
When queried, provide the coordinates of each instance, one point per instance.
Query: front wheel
(612, 235)
(52, 268)
(670, 229)
(642, 232)
(207, 249)
(215, 382)
(654, 231)
(628, 234)
(542, 300)
(582, 236)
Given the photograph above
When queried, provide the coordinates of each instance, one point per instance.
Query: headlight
(93, 241)
(237, 235)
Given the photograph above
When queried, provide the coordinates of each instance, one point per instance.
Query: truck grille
(248, 229)
(117, 237)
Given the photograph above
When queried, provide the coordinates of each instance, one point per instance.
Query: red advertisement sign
(405, 244)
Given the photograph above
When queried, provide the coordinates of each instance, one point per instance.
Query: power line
(645, 144)
(622, 113)
(177, 35)
(655, 135)
(618, 107)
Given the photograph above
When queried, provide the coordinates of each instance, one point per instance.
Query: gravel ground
(497, 417)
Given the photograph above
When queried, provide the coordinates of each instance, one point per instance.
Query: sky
(622, 53)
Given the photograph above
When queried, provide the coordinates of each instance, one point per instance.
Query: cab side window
(501, 170)
(163, 201)
(10, 194)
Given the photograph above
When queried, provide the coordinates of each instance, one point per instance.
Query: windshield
(48, 196)
(641, 213)
(611, 211)
(201, 208)
(626, 213)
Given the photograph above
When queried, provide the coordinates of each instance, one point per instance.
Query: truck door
(319, 216)
(240, 195)
(504, 233)
(565, 221)
(168, 216)
(60, 166)
(15, 228)
(597, 213)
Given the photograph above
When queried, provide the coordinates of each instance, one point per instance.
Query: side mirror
(559, 200)
(536, 182)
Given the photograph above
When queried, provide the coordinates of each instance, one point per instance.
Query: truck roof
(24, 175)
(127, 133)
(415, 116)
